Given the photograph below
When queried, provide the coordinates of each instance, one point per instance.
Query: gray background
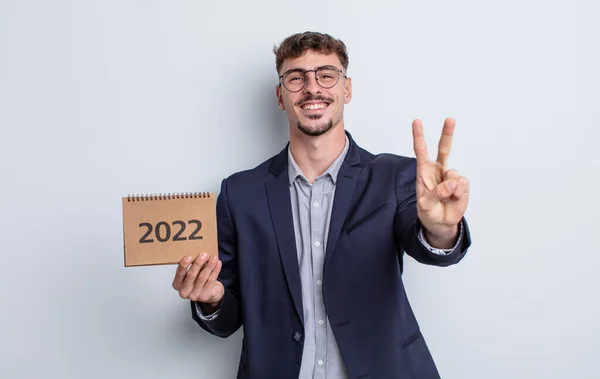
(99, 99)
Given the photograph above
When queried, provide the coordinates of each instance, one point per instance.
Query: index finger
(181, 271)
(445, 142)
(419, 142)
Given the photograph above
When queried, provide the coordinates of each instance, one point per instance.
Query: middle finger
(192, 274)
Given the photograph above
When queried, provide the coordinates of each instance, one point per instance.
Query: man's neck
(314, 155)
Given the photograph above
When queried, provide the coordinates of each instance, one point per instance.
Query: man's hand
(199, 282)
(442, 195)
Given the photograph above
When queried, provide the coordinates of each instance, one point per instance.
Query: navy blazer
(373, 223)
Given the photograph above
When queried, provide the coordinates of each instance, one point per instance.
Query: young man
(311, 241)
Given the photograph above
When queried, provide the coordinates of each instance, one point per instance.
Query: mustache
(314, 98)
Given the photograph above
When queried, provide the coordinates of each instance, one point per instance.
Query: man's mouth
(314, 106)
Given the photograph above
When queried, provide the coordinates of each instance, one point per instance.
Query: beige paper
(162, 229)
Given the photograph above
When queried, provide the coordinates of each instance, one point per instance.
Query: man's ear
(279, 98)
(348, 91)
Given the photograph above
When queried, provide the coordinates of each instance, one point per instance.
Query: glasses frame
(305, 72)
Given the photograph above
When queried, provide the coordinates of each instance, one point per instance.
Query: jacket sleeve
(407, 224)
(229, 318)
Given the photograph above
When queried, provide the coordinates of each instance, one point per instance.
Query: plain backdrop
(103, 98)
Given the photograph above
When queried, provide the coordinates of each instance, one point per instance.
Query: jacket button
(297, 337)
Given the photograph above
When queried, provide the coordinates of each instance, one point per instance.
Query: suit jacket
(373, 223)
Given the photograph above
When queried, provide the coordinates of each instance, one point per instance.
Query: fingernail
(203, 256)
(187, 259)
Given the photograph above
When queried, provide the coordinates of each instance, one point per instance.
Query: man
(311, 241)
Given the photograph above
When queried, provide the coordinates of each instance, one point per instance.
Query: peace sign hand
(442, 194)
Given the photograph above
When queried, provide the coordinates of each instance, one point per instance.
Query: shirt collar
(333, 170)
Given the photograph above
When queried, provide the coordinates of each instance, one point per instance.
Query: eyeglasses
(295, 80)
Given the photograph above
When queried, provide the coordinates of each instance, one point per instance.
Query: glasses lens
(294, 80)
(327, 77)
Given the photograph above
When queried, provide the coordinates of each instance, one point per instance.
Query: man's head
(313, 86)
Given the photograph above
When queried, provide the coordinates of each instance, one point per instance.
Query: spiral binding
(167, 196)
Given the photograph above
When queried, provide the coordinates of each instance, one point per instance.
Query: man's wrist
(442, 238)
(209, 308)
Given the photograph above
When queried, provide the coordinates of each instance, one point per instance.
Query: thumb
(441, 193)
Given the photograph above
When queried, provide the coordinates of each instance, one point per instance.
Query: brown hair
(296, 45)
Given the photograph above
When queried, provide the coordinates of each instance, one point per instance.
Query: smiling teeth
(314, 106)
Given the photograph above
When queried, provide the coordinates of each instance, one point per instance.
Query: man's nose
(312, 86)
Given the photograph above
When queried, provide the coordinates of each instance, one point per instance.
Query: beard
(318, 130)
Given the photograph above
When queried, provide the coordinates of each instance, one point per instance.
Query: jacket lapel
(344, 190)
(278, 195)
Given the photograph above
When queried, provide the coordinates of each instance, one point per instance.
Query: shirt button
(297, 337)
(320, 322)
(319, 282)
(317, 243)
(320, 362)
(316, 204)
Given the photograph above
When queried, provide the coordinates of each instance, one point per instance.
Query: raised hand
(442, 194)
(199, 282)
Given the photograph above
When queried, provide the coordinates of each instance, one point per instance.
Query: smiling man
(311, 241)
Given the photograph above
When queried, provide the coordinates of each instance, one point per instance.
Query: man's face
(314, 110)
